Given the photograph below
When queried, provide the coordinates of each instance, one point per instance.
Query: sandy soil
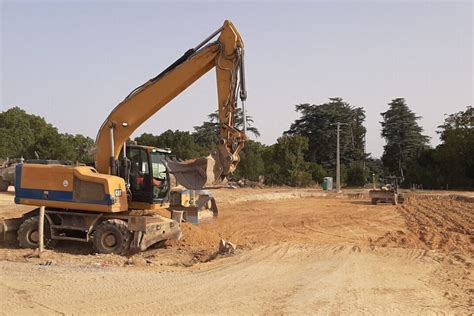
(299, 251)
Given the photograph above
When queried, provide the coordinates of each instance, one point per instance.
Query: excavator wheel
(374, 201)
(28, 234)
(112, 236)
(4, 185)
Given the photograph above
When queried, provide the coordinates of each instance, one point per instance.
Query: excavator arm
(226, 56)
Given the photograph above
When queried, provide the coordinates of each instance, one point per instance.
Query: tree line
(302, 156)
(30, 136)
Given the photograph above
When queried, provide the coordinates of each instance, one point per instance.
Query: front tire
(28, 234)
(112, 236)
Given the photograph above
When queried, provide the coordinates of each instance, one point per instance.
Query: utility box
(327, 184)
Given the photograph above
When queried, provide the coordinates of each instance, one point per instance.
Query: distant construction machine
(115, 204)
(388, 191)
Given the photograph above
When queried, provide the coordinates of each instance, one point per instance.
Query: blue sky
(72, 61)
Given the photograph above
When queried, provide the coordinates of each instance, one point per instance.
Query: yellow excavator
(116, 204)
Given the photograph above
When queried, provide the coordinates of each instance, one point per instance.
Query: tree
(81, 148)
(317, 124)
(425, 170)
(456, 153)
(207, 134)
(450, 164)
(22, 134)
(356, 175)
(251, 164)
(285, 163)
(26, 135)
(374, 166)
(317, 172)
(403, 137)
(181, 143)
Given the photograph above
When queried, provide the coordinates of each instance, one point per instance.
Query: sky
(72, 62)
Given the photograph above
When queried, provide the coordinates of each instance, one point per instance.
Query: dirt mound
(197, 241)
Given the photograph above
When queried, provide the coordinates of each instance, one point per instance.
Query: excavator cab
(144, 169)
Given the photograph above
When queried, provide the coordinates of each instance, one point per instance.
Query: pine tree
(403, 137)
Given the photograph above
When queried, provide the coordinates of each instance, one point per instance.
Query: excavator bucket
(198, 173)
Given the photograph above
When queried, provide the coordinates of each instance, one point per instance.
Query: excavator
(116, 204)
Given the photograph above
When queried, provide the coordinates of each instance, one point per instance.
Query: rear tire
(4, 186)
(374, 201)
(28, 234)
(112, 236)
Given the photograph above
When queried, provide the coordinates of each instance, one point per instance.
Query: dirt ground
(298, 252)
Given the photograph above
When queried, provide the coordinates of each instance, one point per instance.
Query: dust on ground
(299, 251)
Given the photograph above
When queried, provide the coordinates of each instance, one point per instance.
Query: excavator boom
(226, 56)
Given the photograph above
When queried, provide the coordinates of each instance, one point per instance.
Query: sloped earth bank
(300, 252)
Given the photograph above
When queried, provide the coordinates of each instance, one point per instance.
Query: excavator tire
(374, 201)
(4, 186)
(112, 236)
(28, 234)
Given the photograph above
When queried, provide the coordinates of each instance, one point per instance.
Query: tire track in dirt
(311, 228)
(204, 287)
(25, 296)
